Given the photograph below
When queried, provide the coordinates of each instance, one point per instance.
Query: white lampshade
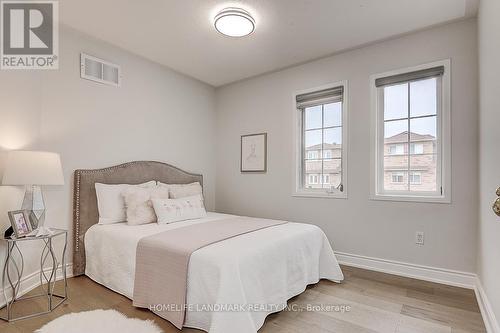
(33, 168)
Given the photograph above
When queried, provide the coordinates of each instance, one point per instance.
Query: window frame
(298, 190)
(443, 140)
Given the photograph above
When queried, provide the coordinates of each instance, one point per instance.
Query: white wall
(358, 225)
(157, 114)
(19, 129)
(489, 151)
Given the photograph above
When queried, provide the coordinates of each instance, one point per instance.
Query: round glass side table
(12, 274)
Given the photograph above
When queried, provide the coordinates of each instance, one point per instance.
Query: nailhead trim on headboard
(77, 209)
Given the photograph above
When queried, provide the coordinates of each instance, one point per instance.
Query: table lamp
(33, 169)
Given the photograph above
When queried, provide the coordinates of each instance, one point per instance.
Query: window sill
(404, 198)
(308, 194)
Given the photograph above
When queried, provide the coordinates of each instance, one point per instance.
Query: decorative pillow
(183, 190)
(138, 203)
(174, 210)
(110, 202)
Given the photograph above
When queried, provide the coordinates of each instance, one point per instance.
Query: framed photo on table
(254, 153)
(20, 221)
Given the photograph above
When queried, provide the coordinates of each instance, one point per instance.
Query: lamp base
(34, 202)
(40, 232)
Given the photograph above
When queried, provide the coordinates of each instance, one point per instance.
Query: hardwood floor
(378, 303)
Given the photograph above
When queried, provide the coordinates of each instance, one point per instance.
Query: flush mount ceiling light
(234, 22)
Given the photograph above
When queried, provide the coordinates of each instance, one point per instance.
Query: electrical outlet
(419, 238)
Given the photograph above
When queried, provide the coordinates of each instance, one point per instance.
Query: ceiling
(180, 33)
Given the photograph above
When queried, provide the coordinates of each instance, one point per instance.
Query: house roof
(325, 146)
(403, 137)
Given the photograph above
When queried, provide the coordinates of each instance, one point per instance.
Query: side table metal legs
(14, 283)
(48, 278)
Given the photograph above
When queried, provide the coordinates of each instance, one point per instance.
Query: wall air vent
(98, 70)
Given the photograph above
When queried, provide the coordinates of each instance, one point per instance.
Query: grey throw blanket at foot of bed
(162, 262)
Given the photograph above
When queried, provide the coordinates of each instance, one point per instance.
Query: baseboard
(32, 281)
(489, 318)
(426, 273)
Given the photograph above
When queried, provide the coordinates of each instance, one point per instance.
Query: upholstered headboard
(85, 213)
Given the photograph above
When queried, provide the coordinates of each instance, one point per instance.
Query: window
(320, 135)
(396, 149)
(398, 177)
(415, 178)
(412, 146)
(313, 179)
(416, 148)
(312, 155)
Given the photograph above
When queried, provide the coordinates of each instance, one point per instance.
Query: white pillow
(139, 208)
(174, 210)
(183, 190)
(110, 202)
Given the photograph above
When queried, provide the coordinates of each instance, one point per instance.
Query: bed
(232, 285)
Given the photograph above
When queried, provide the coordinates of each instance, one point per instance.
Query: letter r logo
(27, 27)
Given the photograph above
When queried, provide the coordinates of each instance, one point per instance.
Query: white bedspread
(262, 269)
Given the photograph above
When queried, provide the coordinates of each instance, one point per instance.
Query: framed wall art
(254, 152)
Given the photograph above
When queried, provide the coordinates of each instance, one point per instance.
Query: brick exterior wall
(422, 164)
